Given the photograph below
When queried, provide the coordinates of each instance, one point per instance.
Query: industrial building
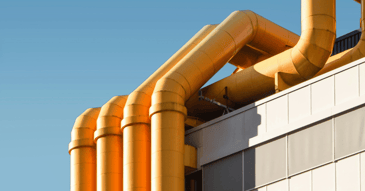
(290, 117)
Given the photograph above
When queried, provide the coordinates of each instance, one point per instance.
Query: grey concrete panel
(299, 104)
(265, 163)
(301, 182)
(195, 139)
(323, 178)
(199, 154)
(323, 94)
(310, 147)
(346, 85)
(348, 174)
(224, 174)
(225, 138)
(277, 113)
(350, 132)
(255, 121)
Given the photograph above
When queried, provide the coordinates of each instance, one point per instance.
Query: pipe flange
(170, 106)
(106, 131)
(80, 143)
(131, 120)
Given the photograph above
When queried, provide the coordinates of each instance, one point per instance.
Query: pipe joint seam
(169, 106)
(102, 132)
(80, 143)
(131, 120)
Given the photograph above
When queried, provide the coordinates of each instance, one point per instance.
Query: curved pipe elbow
(82, 133)
(139, 101)
(311, 52)
(237, 30)
(315, 45)
(110, 117)
(354, 54)
(214, 51)
(136, 108)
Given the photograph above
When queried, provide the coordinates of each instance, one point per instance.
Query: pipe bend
(83, 129)
(354, 54)
(110, 117)
(313, 50)
(136, 110)
(136, 106)
(238, 29)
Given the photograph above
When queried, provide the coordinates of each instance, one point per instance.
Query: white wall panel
(278, 186)
(277, 113)
(324, 178)
(362, 171)
(323, 94)
(301, 182)
(299, 104)
(362, 79)
(348, 174)
(261, 189)
(346, 85)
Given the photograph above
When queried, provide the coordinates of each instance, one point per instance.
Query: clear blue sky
(58, 58)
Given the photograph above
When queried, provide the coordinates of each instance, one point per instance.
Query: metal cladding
(109, 145)
(354, 54)
(136, 122)
(82, 151)
(168, 111)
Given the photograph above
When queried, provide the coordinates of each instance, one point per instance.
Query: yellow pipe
(136, 122)
(109, 145)
(294, 65)
(246, 57)
(354, 54)
(82, 151)
(241, 27)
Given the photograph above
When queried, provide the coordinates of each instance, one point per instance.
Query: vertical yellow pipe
(241, 27)
(354, 54)
(82, 151)
(136, 122)
(168, 111)
(109, 145)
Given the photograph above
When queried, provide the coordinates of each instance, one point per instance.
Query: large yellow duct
(354, 54)
(109, 145)
(241, 27)
(82, 151)
(136, 122)
(292, 66)
(248, 56)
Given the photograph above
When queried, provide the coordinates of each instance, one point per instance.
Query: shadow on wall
(223, 142)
